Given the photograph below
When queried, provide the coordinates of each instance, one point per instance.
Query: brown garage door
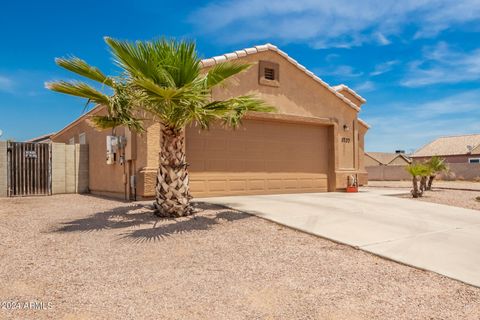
(261, 157)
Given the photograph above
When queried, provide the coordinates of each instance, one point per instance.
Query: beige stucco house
(373, 159)
(312, 143)
(454, 149)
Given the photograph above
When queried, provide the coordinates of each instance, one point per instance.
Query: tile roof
(342, 86)
(449, 146)
(44, 137)
(385, 157)
(244, 52)
(247, 51)
(364, 123)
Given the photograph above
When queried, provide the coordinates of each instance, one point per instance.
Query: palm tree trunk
(415, 192)
(172, 189)
(423, 184)
(430, 182)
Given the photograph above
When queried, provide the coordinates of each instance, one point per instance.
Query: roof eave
(253, 50)
(94, 110)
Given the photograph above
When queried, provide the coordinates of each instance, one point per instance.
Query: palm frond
(231, 111)
(418, 169)
(104, 122)
(78, 89)
(222, 71)
(437, 164)
(165, 62)
(81, 67)
(108, 122)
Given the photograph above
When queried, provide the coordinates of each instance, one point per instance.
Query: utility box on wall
(131, 147)
(111, 149)
(116, 146)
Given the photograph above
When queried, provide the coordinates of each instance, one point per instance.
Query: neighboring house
(386, 159)
(313, 143)
(46, 138)
(455, 149)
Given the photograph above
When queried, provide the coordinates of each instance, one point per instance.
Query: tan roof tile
(447, 146)
(268, 46)
(385, 157)
(341, 87)
(220, 59)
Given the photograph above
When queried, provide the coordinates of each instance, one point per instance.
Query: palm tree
(164, 78)
(427, 171)
(437, 165)
(417, 170)
(119, 105)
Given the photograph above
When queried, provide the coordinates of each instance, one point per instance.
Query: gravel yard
(452, 193)
(459, 185)
(457, 198)
(86, 257)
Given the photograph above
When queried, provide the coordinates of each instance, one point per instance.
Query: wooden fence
(28, 169)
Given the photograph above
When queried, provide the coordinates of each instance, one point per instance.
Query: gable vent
(269, 74)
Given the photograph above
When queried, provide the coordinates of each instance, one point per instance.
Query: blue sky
(416, 62)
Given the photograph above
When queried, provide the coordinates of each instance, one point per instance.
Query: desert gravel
(457, 198)
(440, 194)
(459, 185)
(86, 257)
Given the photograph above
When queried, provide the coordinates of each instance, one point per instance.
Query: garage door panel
(262, 157)
(238, 185)
(256, 184)
(217, 184)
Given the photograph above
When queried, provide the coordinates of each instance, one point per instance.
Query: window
(82, 138)
(473, 160)
(268, 73)
(72, 140)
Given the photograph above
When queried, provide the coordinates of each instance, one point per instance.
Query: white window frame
(82, 138)
(475, 159)
(71, 140)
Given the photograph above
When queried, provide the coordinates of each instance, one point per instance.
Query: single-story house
(46, 138)
(455, 149)
(386, 159)
(313, 143)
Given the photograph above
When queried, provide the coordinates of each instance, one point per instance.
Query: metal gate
(29, 169)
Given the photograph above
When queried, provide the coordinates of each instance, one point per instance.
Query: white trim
(476, 159)
(342, 86)
(82, 138)
(363, 123)
(253, 50)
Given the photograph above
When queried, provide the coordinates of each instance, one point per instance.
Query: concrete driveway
(429, 236)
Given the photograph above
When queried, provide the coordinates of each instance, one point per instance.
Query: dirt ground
(452, 193)
(86, 257)
(459, 185)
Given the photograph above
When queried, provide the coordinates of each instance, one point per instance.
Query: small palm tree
(163, 78)
(436, 165)
(417, 170)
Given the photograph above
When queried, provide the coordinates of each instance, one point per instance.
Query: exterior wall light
(346, 128)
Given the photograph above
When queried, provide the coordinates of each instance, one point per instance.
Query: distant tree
(436, 165)
(418, 170)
